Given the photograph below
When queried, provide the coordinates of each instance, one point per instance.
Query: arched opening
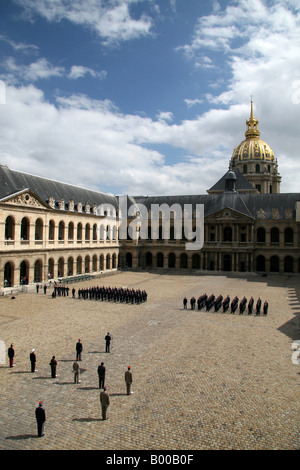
(148, 259)
(101, 262)
(79, 232)
(171, 260)
(274, 235)
(61, 267)
(288, 236)
(38, 271)
(160, 260)
(79, 265)
(61, 231)
(87, 264)
(87, 232)
(24, 229)
(9, 228)
(8, 280)
(95, 232)
(128, 260)
(95, 263)
(261, 235)
(50, 268)
(71, 231)
(51, 230)
(70, 266)
(274, 264)
(196, 261)
(288, 264)
(183, 261)
(260, 263)
(38, 235)
(227, 265)
(24, 273)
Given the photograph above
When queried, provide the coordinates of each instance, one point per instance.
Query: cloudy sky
(146, 97)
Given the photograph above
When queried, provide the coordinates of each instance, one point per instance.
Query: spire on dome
(252, 125)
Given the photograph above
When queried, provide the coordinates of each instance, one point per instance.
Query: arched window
(24, 229)
(288, 236)
(257, 168)
(274, 235)
(9, 228)
(261, 235)
(87, 232)
(79, 232)
(51, 230)
(38, 230)
(61, 230)
(71, 231)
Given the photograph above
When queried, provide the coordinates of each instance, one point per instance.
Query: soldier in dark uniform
(258, 305)
(40, 419)
(107, 342)
(101, 374)
(32, 358)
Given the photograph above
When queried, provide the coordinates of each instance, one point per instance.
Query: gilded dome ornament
(252, 148)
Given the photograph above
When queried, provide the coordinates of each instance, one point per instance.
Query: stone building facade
(50, 230)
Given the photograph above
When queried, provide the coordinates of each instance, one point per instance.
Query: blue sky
(147, 96)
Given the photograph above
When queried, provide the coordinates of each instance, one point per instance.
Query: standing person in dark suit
(79, 349)
(101, 375)
(128, 380)
(11, 355)
(185, 303)
(40, 419)
(32, 358)
(53, 364)
(104, 401)
(107, 342)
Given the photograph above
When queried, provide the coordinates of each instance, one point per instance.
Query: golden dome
(252, 148)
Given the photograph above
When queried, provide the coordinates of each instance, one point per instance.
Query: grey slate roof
(12, 181)
(241, 185)
(250, 204)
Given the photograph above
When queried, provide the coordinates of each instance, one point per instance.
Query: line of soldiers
(113, 294)
(208, 302)
(60, 291)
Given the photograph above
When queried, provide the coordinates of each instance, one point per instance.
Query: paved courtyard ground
(201, 380)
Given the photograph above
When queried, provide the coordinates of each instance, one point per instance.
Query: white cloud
(91, 143)
(112, 21)
(79, 71)
(40, 69)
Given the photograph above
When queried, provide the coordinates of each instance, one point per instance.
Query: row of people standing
(209, 302)
(114, 294)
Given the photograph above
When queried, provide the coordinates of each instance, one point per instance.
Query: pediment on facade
(25, 198)
(228, 214)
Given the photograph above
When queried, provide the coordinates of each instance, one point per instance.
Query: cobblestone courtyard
(201, 380)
